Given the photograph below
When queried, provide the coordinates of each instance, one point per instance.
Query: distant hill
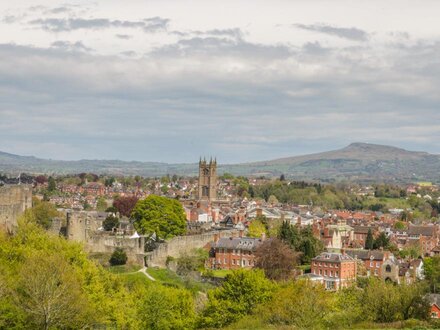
(361, 162)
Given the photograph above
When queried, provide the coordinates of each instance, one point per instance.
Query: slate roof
(367, 254)
(333, 257)
(238, 243)
(434, 298)
(422, 230)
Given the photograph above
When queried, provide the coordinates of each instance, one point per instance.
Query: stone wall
(107, 243)
(182, 244)
(14, 200)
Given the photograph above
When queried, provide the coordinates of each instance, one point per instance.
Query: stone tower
(207, 180)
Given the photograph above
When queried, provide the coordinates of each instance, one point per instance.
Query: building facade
(337, 269)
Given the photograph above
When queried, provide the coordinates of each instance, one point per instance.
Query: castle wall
(182, 244)
(14, 200)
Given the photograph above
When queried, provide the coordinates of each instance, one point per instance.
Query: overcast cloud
(173, 80)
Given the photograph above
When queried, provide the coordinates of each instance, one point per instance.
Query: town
(329, 236)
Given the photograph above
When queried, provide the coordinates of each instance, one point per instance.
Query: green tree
(101, 204)
(50, 294)
(301, 304)
(51, 185)
(432, 273)
(160, 215)
(194, 261)
(42, 213)
(256, 228)
(239, 295)
(118, 257)
(382, 241)
(110, 222)
(369, 241)
(162, 308)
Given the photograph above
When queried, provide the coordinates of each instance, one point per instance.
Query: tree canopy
(160, 215)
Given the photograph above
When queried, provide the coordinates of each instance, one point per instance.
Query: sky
(173, 80)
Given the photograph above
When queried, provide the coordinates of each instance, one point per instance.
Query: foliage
(101, 204)
(51, 184)
(241, 292)
(110, 222)
(256, 228)
(125, 205)
(301, 240)
(382, 241)
(160, 215)
(118, 257)
(369, 241)
(41, 213)
(194, 261)
(301, 304)
(386, 302)
(276, 259)
(162, 308)
(432, 273)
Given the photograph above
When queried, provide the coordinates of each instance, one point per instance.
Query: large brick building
(338, 270)
(233, 252)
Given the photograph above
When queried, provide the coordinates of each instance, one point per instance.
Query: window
(233, 261)
(375, 272)
(371, 264)
(337, 274)
(320, 272)
(224, 261)
(331, 273)
(219, 261)
(325, 272)
(377, 264)
(388, 269)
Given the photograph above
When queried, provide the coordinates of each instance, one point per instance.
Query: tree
(256, 228)
(301, 240)
(51, 184)
(276, 259)
(50, 294)
(190, 262)
(163, 308)
(101, 204)
(118, 257)
(110, 222)
(432, 273)
(160, 215)
(382, 241)
(301, 304)
(42, 213)
(369, 241)
(241, 292)
(125, 205)
(272, 200)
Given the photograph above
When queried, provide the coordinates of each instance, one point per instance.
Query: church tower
(207, 180)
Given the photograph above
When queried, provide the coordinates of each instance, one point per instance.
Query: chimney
(263, 237)
(216, 237)
(259, 212)
(343, 251)
(240, 233)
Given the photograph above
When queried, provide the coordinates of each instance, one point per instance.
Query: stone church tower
(207, 180)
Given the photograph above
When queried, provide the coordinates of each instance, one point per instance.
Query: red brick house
(233, 252)
(434, 300)
(337, 269)
(372, 260)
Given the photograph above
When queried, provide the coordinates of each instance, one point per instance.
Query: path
(144, 271)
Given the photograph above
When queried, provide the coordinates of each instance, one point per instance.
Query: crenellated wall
(182, 244)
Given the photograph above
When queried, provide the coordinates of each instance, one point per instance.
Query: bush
(119, 257)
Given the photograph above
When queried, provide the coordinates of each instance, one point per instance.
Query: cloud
(69, 46)
(154, 24)
(341, 32)
(124, 36)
